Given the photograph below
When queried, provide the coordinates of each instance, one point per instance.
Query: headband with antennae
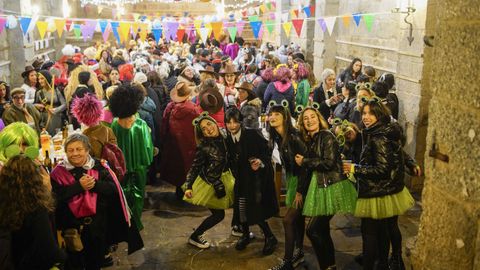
(203, 115)
(363, 85)
(300, 108)
(374, 98)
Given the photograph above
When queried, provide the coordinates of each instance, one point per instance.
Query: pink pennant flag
(240, 26)
(3, 22)
(106, 33)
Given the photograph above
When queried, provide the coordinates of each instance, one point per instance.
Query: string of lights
(125, 2)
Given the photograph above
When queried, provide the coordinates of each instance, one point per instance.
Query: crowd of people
(205, 118)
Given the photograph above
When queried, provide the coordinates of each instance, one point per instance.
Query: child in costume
(209, 182)
(133, 137)
(381, 190)
(289, 144)
(329, 191)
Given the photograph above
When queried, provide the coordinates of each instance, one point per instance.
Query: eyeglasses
(18, 97)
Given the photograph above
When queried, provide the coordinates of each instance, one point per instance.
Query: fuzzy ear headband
(273, 103)
(300, 108)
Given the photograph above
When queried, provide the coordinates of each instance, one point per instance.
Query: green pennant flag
(253, 18)
(233, 32)
(270, 25)
(77, 32)
(368, 19)
(269, 6)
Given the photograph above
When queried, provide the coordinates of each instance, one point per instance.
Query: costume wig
(282, 74)
(267, 74)
(126, 72)
(17, 133)
(88, 110)
(301, 71)
(125, 101)
(73, 83)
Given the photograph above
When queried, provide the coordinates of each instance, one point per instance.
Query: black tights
(294, 226)
(395, 235)
(318, 231)
(375, 243)
(216, 217)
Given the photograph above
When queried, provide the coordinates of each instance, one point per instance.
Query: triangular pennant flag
(124, 30)
(298, 24)
(262, 8)
(262, 30)
(134, 29)
(77, 31)
(217, 28)
(270, 25)
(204, 34)
(287, 26)
(106, 34)
(295, 11)
(114, 26)
(172, 28)
(253, 18)
(68, 24)
(272, 15)
(323, 25)
(368, 18)
(233, 33)
(307, 11)
(269, 6)
(198, 25)
(330, 22)
(240, 26)
(87, 31)
(346, 20)
(357, 17)
(114, 14)
(103, 25)
(42, 28)
(285, 17)
(257, 10)
(312, 10)
(3, 22)
(25, 23)
(143, 32)
(274, 4)
(244, 13)
(33, 23)
(180, 34)
(256, 28)
(157, 33)
(59, 24)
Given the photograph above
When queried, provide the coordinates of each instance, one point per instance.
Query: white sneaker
(199, 242)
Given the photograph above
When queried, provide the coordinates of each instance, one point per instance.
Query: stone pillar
(16, 52)
(282, 7)
(325, 47)
(449, 233)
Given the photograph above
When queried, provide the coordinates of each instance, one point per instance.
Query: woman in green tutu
(381, 191)
(209, 182)
(329, 191)
(289, 144)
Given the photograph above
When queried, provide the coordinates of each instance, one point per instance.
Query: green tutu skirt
(386, 206)
(204, 194)
(292, 182)
(339, 198)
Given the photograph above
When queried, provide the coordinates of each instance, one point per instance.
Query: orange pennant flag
(346, 20)
(217, 28)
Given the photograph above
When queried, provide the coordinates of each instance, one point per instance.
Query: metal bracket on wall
(437, 155)
(409, 11)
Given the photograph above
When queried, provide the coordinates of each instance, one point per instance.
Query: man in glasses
(20, 111)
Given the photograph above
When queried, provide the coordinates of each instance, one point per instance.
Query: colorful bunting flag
(285, 17)
(257, 10)
(33, 23)
(312, 10)
(233, 33)
(217, 28)
(143, 32)
(307, 11)
(124, 30)
(171, 30)
(256, 28)
(295, 11)
(204, 34)
(106, 34)
(198, 25)
(262, 30)
(253, 18)
(368, 18)
(76, 30)
(323, 25)
(115, 26)
(99, 10)
(25, 23)
(240, 26)
(269, 6)
(357, 17)
(103, 25)
(298, 24)
(262, 8)
(270, 25)
(330, 22)
(346, 20)
(180, 34)
(157, 33)
(287, 26)
(135, 16)
(42, 28)
(3, 22)
(60, 24)
(272, 15)
(87, 31)
(68, 24)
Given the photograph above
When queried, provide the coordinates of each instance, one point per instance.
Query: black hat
(27, 71)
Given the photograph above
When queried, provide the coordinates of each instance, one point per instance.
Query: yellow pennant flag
(60, 24)
(42, 28)
(217, 28)
(346, 20)
(208, 26)
(198, 25)
(136, 16)
(135, 26)
(262, 8)
(287, 26)
(124, 30)
(143, 31)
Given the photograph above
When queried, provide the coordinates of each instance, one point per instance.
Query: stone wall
(449, 234)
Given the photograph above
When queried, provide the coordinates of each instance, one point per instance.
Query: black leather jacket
(209, 163)
(381, 168)
(287, 152)
(323, 158)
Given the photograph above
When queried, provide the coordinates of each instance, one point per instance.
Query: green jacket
(14, 114)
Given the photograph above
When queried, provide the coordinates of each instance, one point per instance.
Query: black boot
(179, 193)
(270, 245)
(244, 240)
(396, 262)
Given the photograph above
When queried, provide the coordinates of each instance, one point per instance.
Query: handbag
(73, 239)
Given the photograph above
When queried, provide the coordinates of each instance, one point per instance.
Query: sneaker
(284, 265)
(298, 257)
(199, 241)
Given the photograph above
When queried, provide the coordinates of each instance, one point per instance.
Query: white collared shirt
(236, 137)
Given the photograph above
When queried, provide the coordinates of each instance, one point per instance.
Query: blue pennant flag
(157, 33)
(103, 25)
(256, 28)
(115, 30)
(307, 11)
(25, 23)
(357, 17)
